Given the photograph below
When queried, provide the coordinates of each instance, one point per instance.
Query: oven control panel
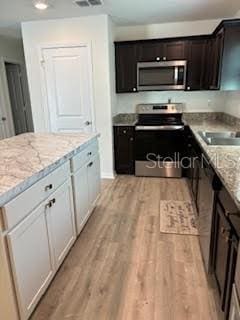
(159, 108)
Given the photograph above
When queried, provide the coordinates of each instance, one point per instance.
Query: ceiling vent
(88, 3)
(95, 2)
(82, 3)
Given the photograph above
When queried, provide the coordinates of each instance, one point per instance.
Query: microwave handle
(176, 75)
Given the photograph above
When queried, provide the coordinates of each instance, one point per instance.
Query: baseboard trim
(105, 175)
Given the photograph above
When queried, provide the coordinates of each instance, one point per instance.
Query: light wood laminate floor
(123, 268)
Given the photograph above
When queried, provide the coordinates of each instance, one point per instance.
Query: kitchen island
(49, 185)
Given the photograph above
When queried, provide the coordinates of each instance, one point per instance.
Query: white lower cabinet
(40, 225)
(94, 181)
(86, 184)
(60, 218)
(81, 198)
(30, 255)
(39, 244)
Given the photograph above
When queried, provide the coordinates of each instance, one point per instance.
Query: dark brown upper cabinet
(214, 52)
(196, 64)
(175, 50)
(150, 51)
(230, 65)
(126, 67)
(216, 60)
(161, 51)
(213, 61)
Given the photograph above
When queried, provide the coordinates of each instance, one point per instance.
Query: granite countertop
(125, 119)
(27, 158)
(224, 159)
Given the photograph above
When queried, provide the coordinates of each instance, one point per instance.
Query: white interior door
(69, 88)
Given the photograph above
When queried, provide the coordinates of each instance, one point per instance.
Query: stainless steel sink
(224, 138)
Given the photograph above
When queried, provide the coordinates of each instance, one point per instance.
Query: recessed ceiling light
(41, 5)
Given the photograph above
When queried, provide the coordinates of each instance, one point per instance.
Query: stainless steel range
(159, 140)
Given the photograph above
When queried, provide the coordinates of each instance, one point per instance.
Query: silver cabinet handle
(158, 58)
(134, 89)
(188, 88)
(164, 58)
(88, 123)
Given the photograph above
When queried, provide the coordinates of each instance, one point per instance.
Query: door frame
(5, 98)
(43, 88)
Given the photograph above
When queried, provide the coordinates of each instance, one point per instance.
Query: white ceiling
(123, 12)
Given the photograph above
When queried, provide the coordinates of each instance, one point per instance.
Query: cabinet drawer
(18, 208)
(83, 156)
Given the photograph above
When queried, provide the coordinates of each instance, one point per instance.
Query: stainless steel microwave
(164, 75)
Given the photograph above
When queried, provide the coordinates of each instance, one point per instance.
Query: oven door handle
(159, 128)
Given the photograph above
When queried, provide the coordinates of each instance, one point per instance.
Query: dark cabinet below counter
(225, 248)
(124, 151)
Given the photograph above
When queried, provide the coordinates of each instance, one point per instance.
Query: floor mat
(178, 217)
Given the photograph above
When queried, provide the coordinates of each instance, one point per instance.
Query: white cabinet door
(30, 258)
(81, 197)
(68, 82)
(86, 184)
(60, 216)
(94, 180)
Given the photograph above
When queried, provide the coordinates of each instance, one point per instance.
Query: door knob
(88, 123)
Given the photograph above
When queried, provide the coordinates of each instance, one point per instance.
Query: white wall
(93, 29)
(112, 31)
(11, 48)
(195, 101)
(165, 30)
(232, 103)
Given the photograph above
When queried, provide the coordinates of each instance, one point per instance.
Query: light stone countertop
(224, 159)
(29, 157)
